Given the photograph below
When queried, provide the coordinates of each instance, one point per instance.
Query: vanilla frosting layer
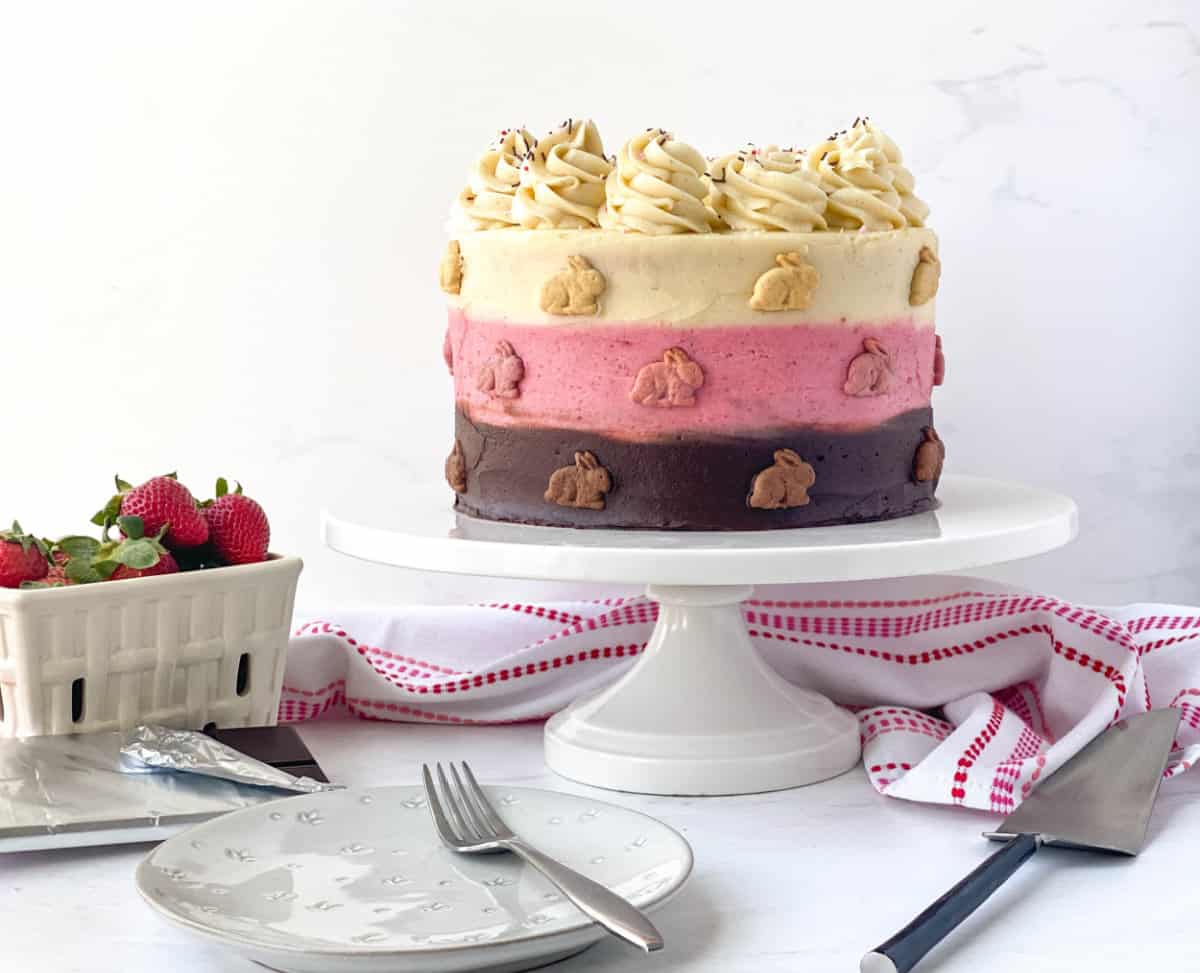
(693, 280)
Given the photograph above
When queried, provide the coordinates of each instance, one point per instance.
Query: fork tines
(462, 813)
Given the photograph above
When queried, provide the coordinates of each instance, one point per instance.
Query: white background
(220, 225)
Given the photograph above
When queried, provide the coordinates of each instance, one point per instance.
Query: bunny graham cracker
(574, 290)
(670, 382)
(787, 287)
(784, 484)
(582, 485)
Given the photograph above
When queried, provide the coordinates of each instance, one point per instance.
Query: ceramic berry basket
(185, 650)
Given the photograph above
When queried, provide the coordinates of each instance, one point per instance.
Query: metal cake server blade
(1099, 800)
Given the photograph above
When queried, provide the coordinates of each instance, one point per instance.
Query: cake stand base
(701, 713)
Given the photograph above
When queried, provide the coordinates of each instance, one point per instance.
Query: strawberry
(165, 565)
(159, 502)
(238, 530)
(137, 556)
(23, 558)
(70, 561)
(57, 577)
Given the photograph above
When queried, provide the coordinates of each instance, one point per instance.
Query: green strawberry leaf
(138, 554)
(81, 547)
(82, 572)
(109, 513)
(105, 568)
(122, 485)
(222, 490)
(132, 527)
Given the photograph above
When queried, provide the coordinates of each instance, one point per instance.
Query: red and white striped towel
(966, 691)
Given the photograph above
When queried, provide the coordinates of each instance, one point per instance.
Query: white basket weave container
(184, 650)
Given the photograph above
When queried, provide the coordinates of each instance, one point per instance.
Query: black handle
(905, 949)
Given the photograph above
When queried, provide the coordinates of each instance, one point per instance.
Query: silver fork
(467, 823)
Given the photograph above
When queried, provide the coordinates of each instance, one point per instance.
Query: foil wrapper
(192, 752)
(114, 788)
(75, 791)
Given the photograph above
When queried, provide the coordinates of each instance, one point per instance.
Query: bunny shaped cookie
(450, 272)
(456, 469)
(574, 290)
(670, 382)
(925, 278)
(582, 485)
(927, 464)
(783, 485)
(500, 376)
(788, 287)
(870, 371)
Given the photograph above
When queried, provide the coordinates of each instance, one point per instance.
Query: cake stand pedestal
(700, 711)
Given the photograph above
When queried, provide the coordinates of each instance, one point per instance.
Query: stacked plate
(356, 881)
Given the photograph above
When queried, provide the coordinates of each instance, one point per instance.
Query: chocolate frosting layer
(690, 483)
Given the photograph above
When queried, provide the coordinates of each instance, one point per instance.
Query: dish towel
(967, 692)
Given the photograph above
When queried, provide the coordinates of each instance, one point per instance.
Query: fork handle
(605, 906)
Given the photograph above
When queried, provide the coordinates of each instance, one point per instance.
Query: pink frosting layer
(755, 377)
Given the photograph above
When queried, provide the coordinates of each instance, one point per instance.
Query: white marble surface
(222, 224)
(796, 880)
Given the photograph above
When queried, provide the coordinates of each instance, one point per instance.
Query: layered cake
(659, 340)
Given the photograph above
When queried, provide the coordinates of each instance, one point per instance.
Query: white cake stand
(728, 724)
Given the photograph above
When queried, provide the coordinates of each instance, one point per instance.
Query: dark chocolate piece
(279, 746)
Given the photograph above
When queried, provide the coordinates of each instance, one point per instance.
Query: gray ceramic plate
(356, 882)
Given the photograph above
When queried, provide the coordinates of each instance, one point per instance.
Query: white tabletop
(801, 881)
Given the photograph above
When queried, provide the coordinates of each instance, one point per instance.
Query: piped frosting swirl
(657, 187)
(767, 189)
(860, 170)
(486, 201)
(562, 179)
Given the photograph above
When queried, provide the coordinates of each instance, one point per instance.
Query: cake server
(1099, 800)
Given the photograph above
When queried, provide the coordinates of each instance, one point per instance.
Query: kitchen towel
(966, 691)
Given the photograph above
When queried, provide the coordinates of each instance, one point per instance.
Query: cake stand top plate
(979, 522)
